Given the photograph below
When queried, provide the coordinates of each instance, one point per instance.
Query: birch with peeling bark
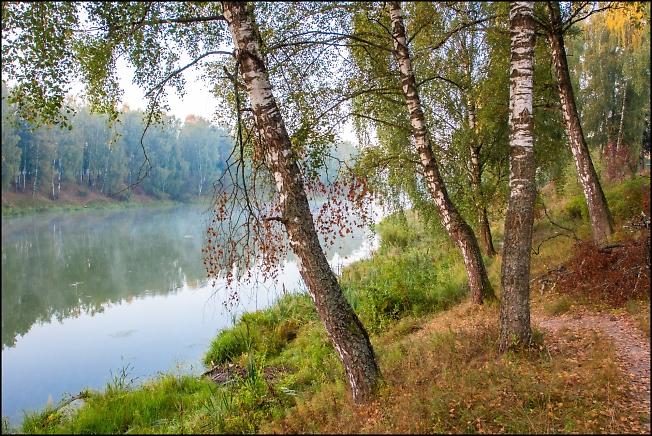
(515, 327)
(342, 324)
(457, 228)
(599, 214)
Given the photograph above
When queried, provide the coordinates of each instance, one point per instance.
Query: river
(87, 294)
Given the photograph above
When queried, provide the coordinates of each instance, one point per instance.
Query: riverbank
(276, 370)
(75, 197)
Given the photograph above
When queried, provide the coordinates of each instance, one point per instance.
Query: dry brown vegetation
(615, 275)
(446, 376)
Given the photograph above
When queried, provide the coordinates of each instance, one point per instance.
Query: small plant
(121, 381)
(6, 428)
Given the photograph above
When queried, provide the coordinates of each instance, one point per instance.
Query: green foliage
(412, 275)
(610, 59)
(265, 332)
(397, 232)
(626, 199)
(415, 282)
(576, 208)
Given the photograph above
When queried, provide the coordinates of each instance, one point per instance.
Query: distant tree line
(185, 157)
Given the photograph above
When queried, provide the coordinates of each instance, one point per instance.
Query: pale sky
(198, 100)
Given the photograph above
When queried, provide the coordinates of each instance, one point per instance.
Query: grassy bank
(75, 197)
(437, 353)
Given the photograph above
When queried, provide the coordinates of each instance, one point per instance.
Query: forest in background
(186, 157)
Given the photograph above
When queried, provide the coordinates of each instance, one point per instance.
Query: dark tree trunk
(515, 273)
(342, 324)
(476, 178)
(599, 214)
(485, 234)
(457, 228)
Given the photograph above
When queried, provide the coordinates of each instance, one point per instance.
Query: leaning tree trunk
(342, 324)
(515, 273)
(601, 219)
(457, 228)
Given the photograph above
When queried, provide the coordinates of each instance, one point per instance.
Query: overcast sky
(198, 101)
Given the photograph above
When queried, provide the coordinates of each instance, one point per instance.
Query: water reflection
(64, 266)
(86, 293)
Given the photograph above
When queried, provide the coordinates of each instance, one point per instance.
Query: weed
(120, 381)
(6, 429)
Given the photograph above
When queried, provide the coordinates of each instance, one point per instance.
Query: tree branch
(180, 70)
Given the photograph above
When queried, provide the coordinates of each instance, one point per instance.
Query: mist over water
(86, 294)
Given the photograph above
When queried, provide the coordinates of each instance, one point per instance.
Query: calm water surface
(87, 294)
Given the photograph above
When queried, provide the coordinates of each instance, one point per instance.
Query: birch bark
(342, 324)
(599, 214)
(457, 228)
(619, 143)
(515, 272)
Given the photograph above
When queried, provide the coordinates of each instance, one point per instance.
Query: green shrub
(625, 199)
(396, 231)
(576, 208)
(230, 344)
(384, 289)
(266, 332)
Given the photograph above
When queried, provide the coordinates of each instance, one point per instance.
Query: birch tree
(515, 272)
(457, 228)
(599, 214)
(342, 324)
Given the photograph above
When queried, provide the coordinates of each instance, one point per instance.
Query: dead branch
(607, 248)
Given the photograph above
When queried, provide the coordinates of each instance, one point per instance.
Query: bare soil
(631, 346)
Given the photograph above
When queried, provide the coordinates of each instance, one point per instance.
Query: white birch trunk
(457, 228)
(599, 214)
(515, 273)
(36, 170)
(342, 324)
(619, 143)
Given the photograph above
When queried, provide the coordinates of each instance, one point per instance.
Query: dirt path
(631, 346)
